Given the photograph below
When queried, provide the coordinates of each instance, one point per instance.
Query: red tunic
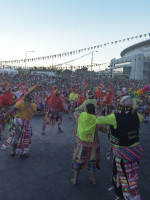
(98, 94)
(108, 99)
(56, 103)
(1, 101)
(81, 100)
(8, 98)
(48, 100)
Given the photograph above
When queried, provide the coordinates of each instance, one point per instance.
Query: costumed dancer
(1, 105)
(20, 92)
(98, 95)
(21, 133)
(7, 102)
(54, 106)
(107, 103)
(127, 151)
(90, 99)
(87, 148)
(73, 98)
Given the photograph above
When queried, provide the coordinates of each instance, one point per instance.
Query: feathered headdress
(139, 92)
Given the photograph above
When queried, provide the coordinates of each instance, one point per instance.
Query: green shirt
(111, 120)
(73, 96)
(86, 127)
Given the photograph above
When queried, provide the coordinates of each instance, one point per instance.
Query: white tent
(8, 70)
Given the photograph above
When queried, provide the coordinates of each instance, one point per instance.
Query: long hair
(90, 108)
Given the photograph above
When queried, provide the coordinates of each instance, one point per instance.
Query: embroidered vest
(127, 131)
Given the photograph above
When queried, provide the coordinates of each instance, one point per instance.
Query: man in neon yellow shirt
(124, 137)
(73, 98)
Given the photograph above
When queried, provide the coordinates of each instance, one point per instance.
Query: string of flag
(71, 53)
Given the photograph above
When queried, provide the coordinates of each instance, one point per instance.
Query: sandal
(13, 153)
(60, 131)
(24, 156)
(73, 181)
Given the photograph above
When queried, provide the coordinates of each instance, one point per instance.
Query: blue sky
(51, 27)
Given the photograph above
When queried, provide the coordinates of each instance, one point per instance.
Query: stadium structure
(135, 61)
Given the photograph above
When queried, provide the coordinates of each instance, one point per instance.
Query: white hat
(126, 101)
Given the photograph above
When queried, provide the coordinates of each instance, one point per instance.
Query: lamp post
(92, 59)
(26, 56)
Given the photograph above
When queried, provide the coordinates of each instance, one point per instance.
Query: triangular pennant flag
(140, 36)
(145, 35)
(149, 34)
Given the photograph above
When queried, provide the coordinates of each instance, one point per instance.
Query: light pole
(26, 56)
(92, 59)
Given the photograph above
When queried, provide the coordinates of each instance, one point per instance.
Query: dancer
(6, 102)
(90, 99)
(87, 149)
(21, 133)
(54, 106)
(73, 101)
(127, 152)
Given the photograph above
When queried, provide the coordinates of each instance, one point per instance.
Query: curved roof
(135, 46)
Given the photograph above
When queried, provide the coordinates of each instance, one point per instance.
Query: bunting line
(71, 53)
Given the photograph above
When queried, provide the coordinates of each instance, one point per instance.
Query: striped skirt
(125, 171)
(20, 137)
(85, 158)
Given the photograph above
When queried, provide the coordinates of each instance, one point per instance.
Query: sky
(49, 27)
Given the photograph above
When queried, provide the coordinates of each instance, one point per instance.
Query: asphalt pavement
(46, 174)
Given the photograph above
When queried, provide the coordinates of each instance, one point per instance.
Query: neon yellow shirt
(135, 101)
(86, 127)
(73, 96)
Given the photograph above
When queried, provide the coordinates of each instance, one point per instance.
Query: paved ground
(46, 174)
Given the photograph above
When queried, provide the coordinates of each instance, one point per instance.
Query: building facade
(135, 61)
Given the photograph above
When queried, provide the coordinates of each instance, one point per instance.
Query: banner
(96, 47)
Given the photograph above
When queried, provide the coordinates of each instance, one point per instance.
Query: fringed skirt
(20, 136)
(51, 116)
(72, 105)
(125, 171)
(86, 158)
